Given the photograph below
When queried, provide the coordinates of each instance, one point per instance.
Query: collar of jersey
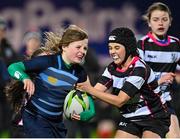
(136, 58)
(158, 42)
(68, 66)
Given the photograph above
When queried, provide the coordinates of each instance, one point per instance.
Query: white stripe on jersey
(107, 74)
(173, 38)
(141, 111)
(157, 90)
(161, 57)
(150, 40)
(151, 77)
(137, 81)
(165, 97)
(159, 74)
(118, 82)
(144, 37)
(141, 53)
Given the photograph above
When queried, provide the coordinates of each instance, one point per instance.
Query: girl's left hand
(75, 116)
(29, 86)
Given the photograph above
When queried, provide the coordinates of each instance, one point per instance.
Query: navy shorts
(158, 126)
(170, 108)
(35, 126)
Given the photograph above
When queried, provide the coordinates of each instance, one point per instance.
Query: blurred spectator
(31, 42)
(4, 107)
(6, 50)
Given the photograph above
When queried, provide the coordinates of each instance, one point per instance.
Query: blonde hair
(156, 6)
(55, 41)
(42, 50)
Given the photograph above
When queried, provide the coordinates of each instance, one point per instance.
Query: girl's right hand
(84, 86)
(166, 78)
(29, 86)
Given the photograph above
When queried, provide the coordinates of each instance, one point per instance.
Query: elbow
(122, 99)
(120, 103)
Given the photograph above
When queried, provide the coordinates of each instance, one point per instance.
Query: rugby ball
(75, 102)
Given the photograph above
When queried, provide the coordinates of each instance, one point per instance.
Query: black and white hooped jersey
(138, 82)
(162, 56)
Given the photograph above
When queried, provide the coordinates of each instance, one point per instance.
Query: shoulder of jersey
(144, 37)
(174, 39)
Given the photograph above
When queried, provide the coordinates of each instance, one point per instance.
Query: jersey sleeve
(140, 48)
(19, 70)
(135, 81)
(106, 79)
(40, 63)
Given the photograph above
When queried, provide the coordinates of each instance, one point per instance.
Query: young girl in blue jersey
(134, 90)
(162, 53)
(55, 76)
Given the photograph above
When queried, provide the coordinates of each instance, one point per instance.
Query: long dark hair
(15, 94)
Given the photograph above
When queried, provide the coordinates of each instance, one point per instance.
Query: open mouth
(115, 57)
(80, 57)
(161, 29)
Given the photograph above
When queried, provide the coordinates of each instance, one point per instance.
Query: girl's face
(159, 22)
(75, 52)
(117, 52)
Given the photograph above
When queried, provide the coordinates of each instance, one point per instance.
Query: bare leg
(174, 130)
(123, 134)
(150, 134)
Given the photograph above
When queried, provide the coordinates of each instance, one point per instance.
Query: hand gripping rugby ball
(75, 102)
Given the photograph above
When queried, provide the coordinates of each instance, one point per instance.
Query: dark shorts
(170, 108)
(36, 126)
(158, 126)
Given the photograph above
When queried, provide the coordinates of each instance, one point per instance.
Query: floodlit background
(98, 18)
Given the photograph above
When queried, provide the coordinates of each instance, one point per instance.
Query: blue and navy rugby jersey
(161, 55)
(52, 83)
(138, 82)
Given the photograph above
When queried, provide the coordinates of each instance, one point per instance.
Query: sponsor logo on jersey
(122, 124)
